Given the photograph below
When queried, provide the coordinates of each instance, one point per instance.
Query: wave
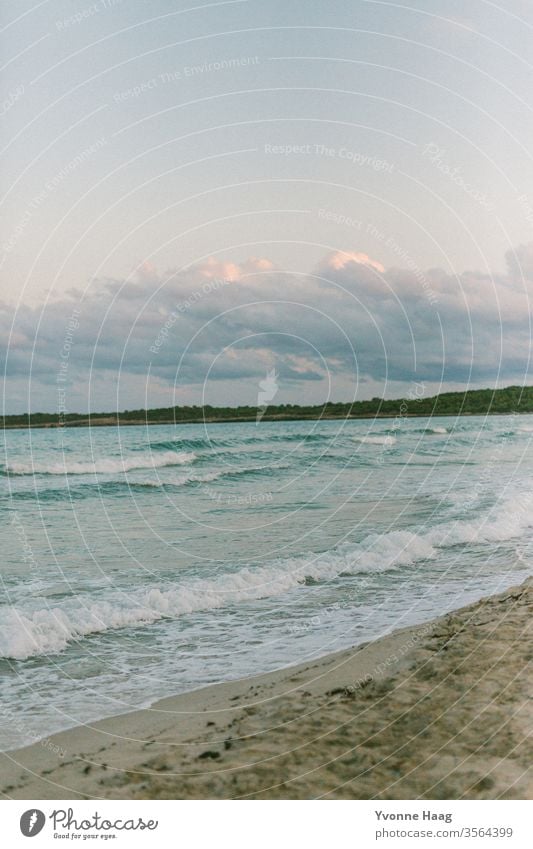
(190, 443)
(375, 440)
(115, 488)
(107, 465)
(125, 485)
(203, 442)
(505, 520)
(438, 429)
(25, 634)
(208, 477)
(49, 631)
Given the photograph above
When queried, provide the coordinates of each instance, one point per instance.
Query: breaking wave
(107, 465)
(25, 634)
(375, 440)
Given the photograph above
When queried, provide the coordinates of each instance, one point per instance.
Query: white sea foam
(436, 430)
(375, 440)
(208, 477)
(25, 633)
(105, 465)
(507, 519)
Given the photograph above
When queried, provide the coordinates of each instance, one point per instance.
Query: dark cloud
(176, 337)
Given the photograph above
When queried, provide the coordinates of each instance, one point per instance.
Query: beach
(441, 710)
(138, 564)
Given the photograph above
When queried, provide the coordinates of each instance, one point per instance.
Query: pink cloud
(213, 269)
(340, 259)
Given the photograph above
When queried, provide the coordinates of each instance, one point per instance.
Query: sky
(195, 195)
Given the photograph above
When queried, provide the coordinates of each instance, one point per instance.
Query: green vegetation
(513, 399)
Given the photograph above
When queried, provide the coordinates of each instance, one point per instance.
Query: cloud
(520, 262)
(210, 332)
(341, 259)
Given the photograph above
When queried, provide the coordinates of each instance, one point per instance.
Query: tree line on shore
(513, 399)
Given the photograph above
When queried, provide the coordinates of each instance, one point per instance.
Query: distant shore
(512, 400)
(110, 422)
(437, 711)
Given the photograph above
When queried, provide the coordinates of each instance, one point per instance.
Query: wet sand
(438, 711)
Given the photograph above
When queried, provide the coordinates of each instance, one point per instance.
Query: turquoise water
(142, 562)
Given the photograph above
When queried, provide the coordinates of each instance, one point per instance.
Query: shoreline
(437, 710)
(109, 422)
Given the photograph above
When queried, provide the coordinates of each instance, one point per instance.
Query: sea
(144, 561)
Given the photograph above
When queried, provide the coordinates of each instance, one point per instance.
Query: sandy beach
(439, 711)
